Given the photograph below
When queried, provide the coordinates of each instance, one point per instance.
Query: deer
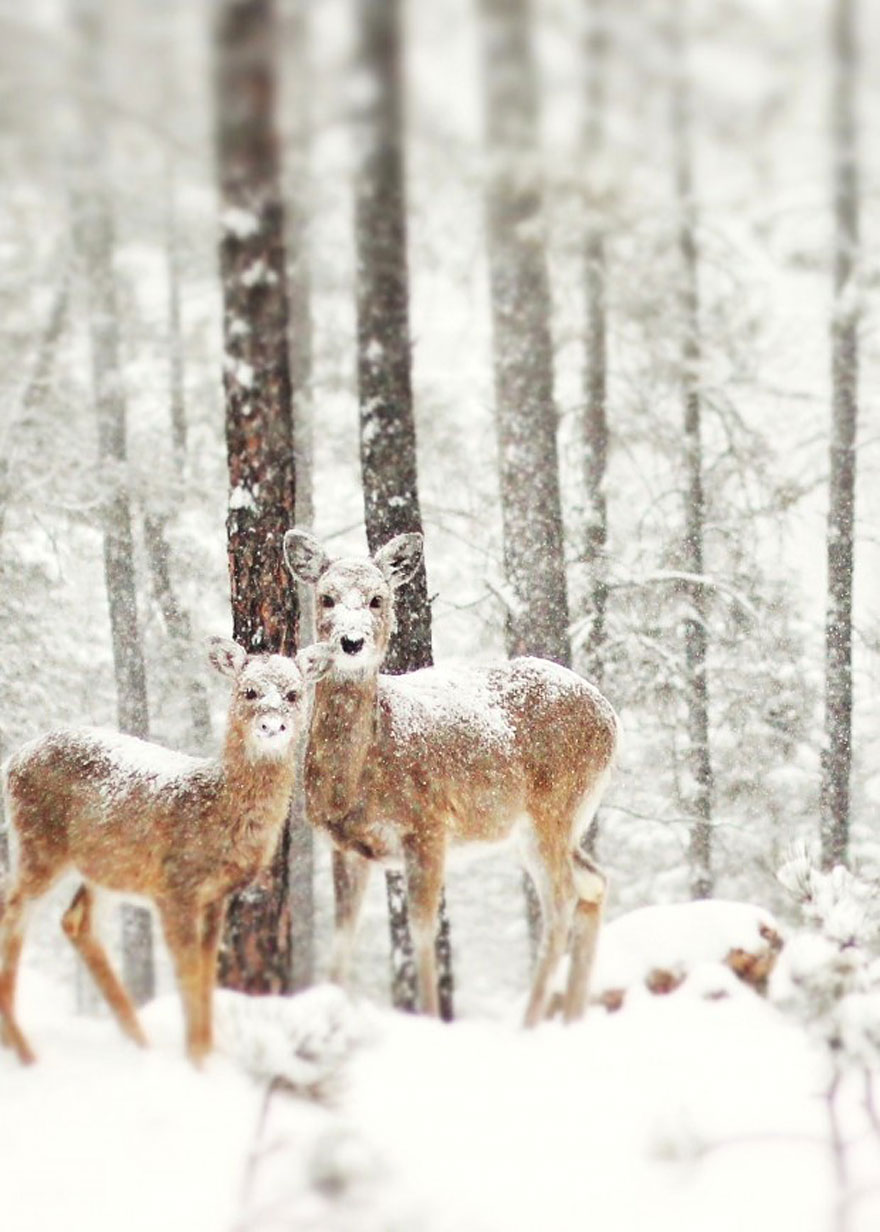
(135, 817)
(404, 770)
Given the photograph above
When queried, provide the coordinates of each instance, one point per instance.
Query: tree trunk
(177, 399)
(595, 424)
(595, 420)
(35, 389)
(698, 792)
(297, 184)
(387, 426)
(178, 627)
(837, 754)
(94, 237)
(537, 616)
(256, 954)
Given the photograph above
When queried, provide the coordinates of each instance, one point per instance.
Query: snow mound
(659, 948)
(300, 1041)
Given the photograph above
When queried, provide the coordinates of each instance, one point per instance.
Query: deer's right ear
(305, 557)
(315, 661)
(225, 656)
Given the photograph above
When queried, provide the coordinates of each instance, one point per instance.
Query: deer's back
(483, 745)
(106, 802)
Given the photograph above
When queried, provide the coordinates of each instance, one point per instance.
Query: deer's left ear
(400, 558)
(314, 661)
(225, 656)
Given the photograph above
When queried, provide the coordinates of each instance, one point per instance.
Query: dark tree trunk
(94, 237)
(837, 754)
(387, 426)
(297, 182)
(595, 425)
(537, 616)
(256, 954)
(698, 793)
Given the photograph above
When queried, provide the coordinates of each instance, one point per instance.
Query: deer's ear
(400, 558)
(225, 656)
(305, 557)
(315, 661)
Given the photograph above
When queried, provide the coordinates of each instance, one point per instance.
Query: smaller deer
(137, 818)
(401, 769)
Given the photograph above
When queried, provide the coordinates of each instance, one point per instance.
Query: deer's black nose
(351, 645)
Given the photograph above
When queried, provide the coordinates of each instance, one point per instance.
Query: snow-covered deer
(137, 818)
(399, 769)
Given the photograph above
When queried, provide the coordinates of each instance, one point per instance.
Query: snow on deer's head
(268, 703)
(354, 597)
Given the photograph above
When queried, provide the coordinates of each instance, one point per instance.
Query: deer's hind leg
(546, 860)
(78, 925)
(591, 884)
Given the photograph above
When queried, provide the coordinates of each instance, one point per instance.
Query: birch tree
(256, 954)
(387, 425)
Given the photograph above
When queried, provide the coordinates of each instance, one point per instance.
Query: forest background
(629, 240)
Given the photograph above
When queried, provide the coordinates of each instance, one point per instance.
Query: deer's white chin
(272, 745)
(359, 664)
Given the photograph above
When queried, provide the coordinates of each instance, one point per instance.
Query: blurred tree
(595, 418)
(296, 163)
(537, 603)
(93, 231)
(187, 670)
(837, 753)
(256, 954)
(387, 426)
(697, 787)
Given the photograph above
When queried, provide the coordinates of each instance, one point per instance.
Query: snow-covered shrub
(829, 973)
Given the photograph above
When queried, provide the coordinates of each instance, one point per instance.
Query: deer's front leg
(423, 862)
(183, 927)
(212, 926)
(350, 875)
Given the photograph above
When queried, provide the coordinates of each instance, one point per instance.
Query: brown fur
(185, 834)
(403, 768)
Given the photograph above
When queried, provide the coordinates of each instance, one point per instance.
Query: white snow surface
(677, 1114)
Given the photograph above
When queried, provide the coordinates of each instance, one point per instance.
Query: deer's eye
(327, 601)
(251, 694)
(292, 696)
(376, 602)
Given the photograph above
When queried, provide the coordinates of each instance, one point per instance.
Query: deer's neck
(258, 789)
(341, 738)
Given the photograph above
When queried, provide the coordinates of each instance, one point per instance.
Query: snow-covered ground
(681, 1112)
